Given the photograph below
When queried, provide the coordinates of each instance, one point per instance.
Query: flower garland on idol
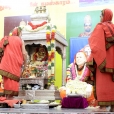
(50, 39)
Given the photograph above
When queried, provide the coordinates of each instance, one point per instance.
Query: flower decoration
(50, 39)
(37, 25)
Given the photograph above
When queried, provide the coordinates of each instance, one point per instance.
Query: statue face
(42, 52)
(80, 58)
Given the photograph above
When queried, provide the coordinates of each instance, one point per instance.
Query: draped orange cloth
(102, 52)
(11, 63)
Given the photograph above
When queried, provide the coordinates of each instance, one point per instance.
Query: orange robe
(102, 54)
(11, 63)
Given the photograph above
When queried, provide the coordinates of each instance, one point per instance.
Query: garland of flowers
(37, 25)
(68, 73)
(51, 54)
(27, 28)
(34, 28)
(48, 41)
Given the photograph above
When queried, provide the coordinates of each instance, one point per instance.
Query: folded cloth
(9, 102)
(74, 102)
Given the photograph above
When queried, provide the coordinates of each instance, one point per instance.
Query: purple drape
(74, 102)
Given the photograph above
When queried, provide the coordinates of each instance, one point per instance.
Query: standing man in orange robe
(13, 56)
(101, 60)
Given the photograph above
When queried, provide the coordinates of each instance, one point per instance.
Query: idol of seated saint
(40, 54)
(75, 80)
(77, 69)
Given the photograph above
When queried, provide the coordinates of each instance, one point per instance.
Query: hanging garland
(52, 78)
(28, 28)
(50, 38)
(37, 25)
(48, 41)
(34, 28)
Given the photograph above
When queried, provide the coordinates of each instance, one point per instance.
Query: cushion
(74, 102)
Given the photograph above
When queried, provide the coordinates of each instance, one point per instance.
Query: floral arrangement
(50, 39)
(36, 26)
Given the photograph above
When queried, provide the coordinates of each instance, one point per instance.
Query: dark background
(14, 21)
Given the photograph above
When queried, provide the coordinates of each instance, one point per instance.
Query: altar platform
(56, 110)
